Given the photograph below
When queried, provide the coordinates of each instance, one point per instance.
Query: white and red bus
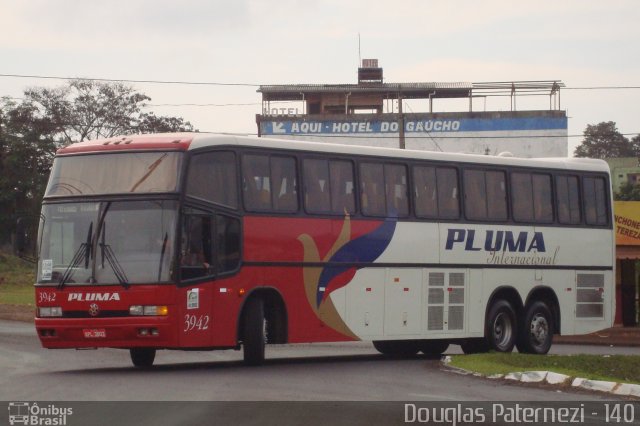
(197, 241)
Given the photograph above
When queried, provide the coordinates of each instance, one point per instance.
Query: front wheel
(142, 357)
(501, 328)
(254, 332)
(536, 334)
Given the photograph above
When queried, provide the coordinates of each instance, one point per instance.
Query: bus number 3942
(196, 322)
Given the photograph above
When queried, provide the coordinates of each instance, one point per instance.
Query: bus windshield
(116, 173)
(125, 242)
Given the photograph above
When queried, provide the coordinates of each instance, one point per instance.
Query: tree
(627, 192)
(604, 141)
(88, 109)
(150, 123)
(47, 119)
(27, 148)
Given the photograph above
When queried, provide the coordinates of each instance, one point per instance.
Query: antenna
(359, 54)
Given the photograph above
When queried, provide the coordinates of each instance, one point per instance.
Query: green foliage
(628, 192)
(16, 280)
(603, 140)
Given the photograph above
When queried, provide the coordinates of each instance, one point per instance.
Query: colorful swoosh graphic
(343, 260)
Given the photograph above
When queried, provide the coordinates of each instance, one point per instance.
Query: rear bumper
(59, 333)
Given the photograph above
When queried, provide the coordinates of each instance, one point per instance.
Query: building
(405, 115)
(624, 170)
(627, 222)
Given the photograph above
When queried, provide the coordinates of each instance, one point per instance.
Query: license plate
(94, 333)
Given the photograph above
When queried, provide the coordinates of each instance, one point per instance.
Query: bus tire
(254, 336)
(142, 357)
(434, 347)
(536, 333)
(397, 348)
(475, 346)
(501, 326)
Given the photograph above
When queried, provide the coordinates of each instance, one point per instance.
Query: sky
(246, 43)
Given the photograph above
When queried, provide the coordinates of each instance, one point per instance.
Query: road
(310, 372)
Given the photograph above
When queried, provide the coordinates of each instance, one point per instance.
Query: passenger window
(395, 177)
(317, 198)
(256, 182)
(568, 200)
(531, 197)
(485, 195)
(210, 244)
(212, 177)
(227, 244)
(196, 253)
(283, 178)
(372, 193)
(595, 204)
(436, 192)
(342, 185)
(269, 183)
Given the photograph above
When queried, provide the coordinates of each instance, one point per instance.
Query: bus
(203, 242)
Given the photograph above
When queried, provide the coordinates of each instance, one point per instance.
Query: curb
(552, 378)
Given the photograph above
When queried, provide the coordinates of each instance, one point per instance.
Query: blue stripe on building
(286, 127)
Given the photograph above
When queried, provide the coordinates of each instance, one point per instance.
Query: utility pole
(401, 123)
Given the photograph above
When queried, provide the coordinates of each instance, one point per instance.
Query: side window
(522, 197)
(212, 177)
(568, 200)
(317, 197)
(283, 178)
(342, 187)
(485, 195)
(542, 198)
(531, 197)
(395, 180)
(256, 182)
(595, 204)
(269, 183)
(436, 192)
(496, 195)
(210, 244)
(448, 204)
(372, 193)
(227, 244)
(425, 191)
(196, 248)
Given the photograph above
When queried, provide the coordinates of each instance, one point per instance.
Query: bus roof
(191, 141)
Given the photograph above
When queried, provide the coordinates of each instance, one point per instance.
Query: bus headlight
(49, 311)
(139, 310)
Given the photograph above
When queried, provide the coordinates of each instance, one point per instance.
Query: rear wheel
(254, 332)
(501, 326)
(400, 348)
(536, 333)
(142, 357)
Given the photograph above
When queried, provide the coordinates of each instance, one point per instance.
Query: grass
(616, 368)
(16, 281)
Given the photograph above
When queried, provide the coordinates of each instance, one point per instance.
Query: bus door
(209, 251)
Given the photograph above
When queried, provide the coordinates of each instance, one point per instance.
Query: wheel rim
(539, 329)
(502, 330)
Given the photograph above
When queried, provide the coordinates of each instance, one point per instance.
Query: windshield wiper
(164, 249)
(107, 253)
(83, 253)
